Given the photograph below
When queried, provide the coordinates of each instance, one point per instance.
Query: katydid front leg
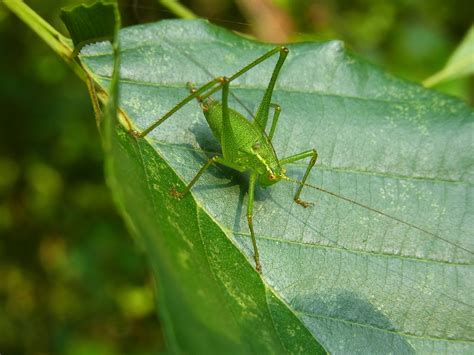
(180, 195)
(314, 156)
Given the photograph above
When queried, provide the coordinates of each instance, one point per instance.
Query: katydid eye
(271, 177)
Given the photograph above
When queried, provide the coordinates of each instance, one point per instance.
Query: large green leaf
(354, 279)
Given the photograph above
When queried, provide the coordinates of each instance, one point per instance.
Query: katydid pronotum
(246, 145)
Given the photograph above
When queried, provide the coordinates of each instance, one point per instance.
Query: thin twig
(178, 9)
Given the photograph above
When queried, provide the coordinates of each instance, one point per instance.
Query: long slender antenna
(378, 212)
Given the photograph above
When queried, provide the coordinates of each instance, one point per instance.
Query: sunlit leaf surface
(353, 278)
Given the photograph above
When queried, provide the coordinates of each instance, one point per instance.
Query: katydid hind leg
(303, 155)
(214, 85)
(192, 90)
(261, 118)
(268, 93)
(228, 142)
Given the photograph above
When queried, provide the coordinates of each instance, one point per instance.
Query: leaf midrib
(332, 169)
(278, 88)
(354, 251)
(327, 168)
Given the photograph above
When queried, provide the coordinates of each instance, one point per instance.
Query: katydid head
(272, 176)
(269, 167)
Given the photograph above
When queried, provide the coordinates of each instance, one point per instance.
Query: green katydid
(246, 147)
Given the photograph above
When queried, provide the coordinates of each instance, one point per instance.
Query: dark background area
(72, 281)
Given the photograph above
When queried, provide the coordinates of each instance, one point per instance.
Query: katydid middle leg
(188, 187)
(276, 115)
(306, 154)
(252, 182)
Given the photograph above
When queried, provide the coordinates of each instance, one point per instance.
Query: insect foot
(258, 267)
(176, 194)
(191, 87)
(223, 79)
(135, 133)
(303, 203)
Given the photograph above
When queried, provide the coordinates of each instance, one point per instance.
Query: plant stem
(178, 9)
(49, 34)
(58, 43)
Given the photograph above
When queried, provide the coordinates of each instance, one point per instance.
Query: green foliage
(71, 278)
(74, 287)
(88, 23)
(357, 280)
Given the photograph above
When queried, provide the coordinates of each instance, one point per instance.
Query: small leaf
(60, 44)
(91, 23)
(460, 64)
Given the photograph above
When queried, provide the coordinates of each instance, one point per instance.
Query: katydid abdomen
(249, 149)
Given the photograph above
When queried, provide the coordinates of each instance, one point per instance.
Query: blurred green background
(72, 281)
